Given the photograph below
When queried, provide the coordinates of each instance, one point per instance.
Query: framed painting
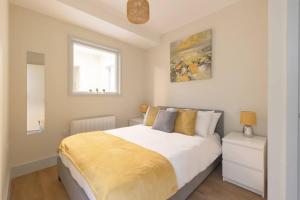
(191, 58)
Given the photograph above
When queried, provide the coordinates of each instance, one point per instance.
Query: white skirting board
(33, 166)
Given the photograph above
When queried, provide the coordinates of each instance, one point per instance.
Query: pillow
(203, 122)
(214, 122)
(146, 114)
(150, 115)
(185, 122)
(165, 121)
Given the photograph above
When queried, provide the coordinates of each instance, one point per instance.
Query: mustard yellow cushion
(185, 122)
(151, 115)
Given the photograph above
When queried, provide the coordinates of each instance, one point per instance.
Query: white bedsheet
(189, 155)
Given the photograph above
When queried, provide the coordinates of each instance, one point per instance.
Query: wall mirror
(35, 93)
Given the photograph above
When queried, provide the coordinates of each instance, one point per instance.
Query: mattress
(189, 155)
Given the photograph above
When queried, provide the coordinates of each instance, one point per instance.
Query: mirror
(35, 93)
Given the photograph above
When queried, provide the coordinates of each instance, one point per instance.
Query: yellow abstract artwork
(191, 58)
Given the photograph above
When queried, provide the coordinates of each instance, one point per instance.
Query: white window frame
(74, 40)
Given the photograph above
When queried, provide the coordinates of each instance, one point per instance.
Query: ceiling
(165, 12)
(109, 16)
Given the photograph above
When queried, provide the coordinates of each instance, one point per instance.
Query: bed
(192, 157)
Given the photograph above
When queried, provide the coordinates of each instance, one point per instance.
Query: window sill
(94, 94)
(34, 132)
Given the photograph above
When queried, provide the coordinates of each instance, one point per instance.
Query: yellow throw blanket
(116, 169)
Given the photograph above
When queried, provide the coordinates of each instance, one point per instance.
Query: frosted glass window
(95, 69)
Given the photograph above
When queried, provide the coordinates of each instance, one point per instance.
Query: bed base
(75, 192)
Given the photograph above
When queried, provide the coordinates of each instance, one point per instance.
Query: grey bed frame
(75, 192)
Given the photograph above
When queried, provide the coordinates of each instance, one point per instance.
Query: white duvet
(189, 155)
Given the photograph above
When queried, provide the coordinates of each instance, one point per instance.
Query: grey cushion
(165, 121)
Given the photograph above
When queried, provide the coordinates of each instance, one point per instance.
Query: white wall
(277, 100)
(239, 77)
(292, 136)
(4, 164)
(283, 102)
(31, 31)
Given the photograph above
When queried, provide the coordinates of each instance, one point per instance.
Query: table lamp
(248, 119)
(143, 108)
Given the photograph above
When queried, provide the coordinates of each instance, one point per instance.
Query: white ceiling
(168, 15)
(109, 16)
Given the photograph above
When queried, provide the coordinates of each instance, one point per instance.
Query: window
(95, 69)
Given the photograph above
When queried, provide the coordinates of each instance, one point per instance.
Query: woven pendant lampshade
(138, 11)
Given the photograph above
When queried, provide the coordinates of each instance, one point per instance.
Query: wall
(4, 164)
(283, 100)
(239, 66)
(31, 31)
(292, 129)
(277, 100)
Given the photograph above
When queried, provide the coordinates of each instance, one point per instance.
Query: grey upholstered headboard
(220, 125)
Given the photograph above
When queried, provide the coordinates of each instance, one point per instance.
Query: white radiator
(93, 124)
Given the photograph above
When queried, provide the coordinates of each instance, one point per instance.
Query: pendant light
(138, 11)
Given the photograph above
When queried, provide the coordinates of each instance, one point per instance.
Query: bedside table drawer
(249, 157)
(243, 176)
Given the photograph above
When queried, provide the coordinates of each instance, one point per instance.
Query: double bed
(193, 158)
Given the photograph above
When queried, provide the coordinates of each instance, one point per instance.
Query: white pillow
(214, 122)
(203, 122)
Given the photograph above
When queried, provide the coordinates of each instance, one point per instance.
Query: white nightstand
(136, 121)
(244, 161)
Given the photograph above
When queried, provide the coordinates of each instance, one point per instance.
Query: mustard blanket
(116, 169)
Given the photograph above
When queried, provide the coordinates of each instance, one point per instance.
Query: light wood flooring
(44, 185)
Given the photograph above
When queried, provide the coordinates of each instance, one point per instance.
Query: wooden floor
(44, 185)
